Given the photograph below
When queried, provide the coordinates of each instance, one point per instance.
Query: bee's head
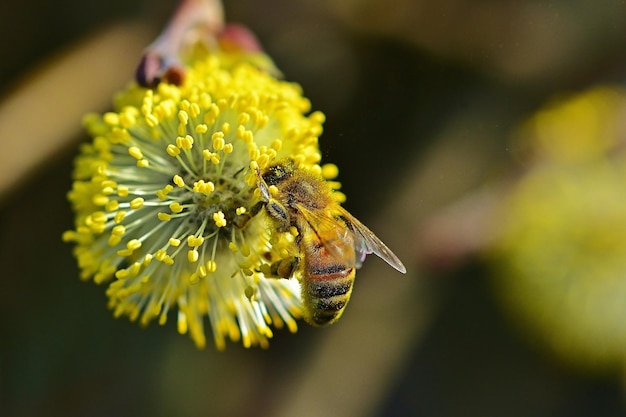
(279, 172)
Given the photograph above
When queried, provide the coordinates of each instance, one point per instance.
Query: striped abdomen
(327, 285)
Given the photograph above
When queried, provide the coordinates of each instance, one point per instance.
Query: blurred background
(481, 140)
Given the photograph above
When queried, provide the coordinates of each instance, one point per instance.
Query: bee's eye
(274, 175)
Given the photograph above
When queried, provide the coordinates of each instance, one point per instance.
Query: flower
(165, 194)
(560, 252)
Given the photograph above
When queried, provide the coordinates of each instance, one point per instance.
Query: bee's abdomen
(326, 292)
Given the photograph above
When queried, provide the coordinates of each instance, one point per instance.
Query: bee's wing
(333, 234)
(366, 241)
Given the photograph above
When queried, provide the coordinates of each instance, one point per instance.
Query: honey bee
(331, 241)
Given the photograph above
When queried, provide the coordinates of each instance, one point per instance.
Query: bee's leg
(256, 208)
(285, 267)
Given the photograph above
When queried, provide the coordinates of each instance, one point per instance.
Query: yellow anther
(192, 256)
(339, 197)
(183, 117)
(118, 230)
(202, 128)
(218, 141)
(241, 131)
(121, 274)
(263, 160)
(243, 118)
(178, 180)
(228, 148)
(172, 150)
(330, 171)
(219, 219)
(184, 142)
(143, 163)
(293, 231)
(99, 216)
(165, 217)
(176, 207)
(211, 266)
(202, 271)
(195, 241)
(161, 194)
(174, 242)
(232, 246)
(112, 119)
(135, 269)
(100, 200)
(277, 145)
(194, 110)
(240, 211)
(254, 154)
(114, 240)
(152, 120)
(112, 205)
(122, 191)
(119, 216)
(135, 152)
(136, 203)
(317, 117)
(128, 118)
(182, 323)
(124, 252)
(133, 244)
(226, 128)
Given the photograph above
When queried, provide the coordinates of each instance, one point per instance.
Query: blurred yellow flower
(163, 197)
(561, 247)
